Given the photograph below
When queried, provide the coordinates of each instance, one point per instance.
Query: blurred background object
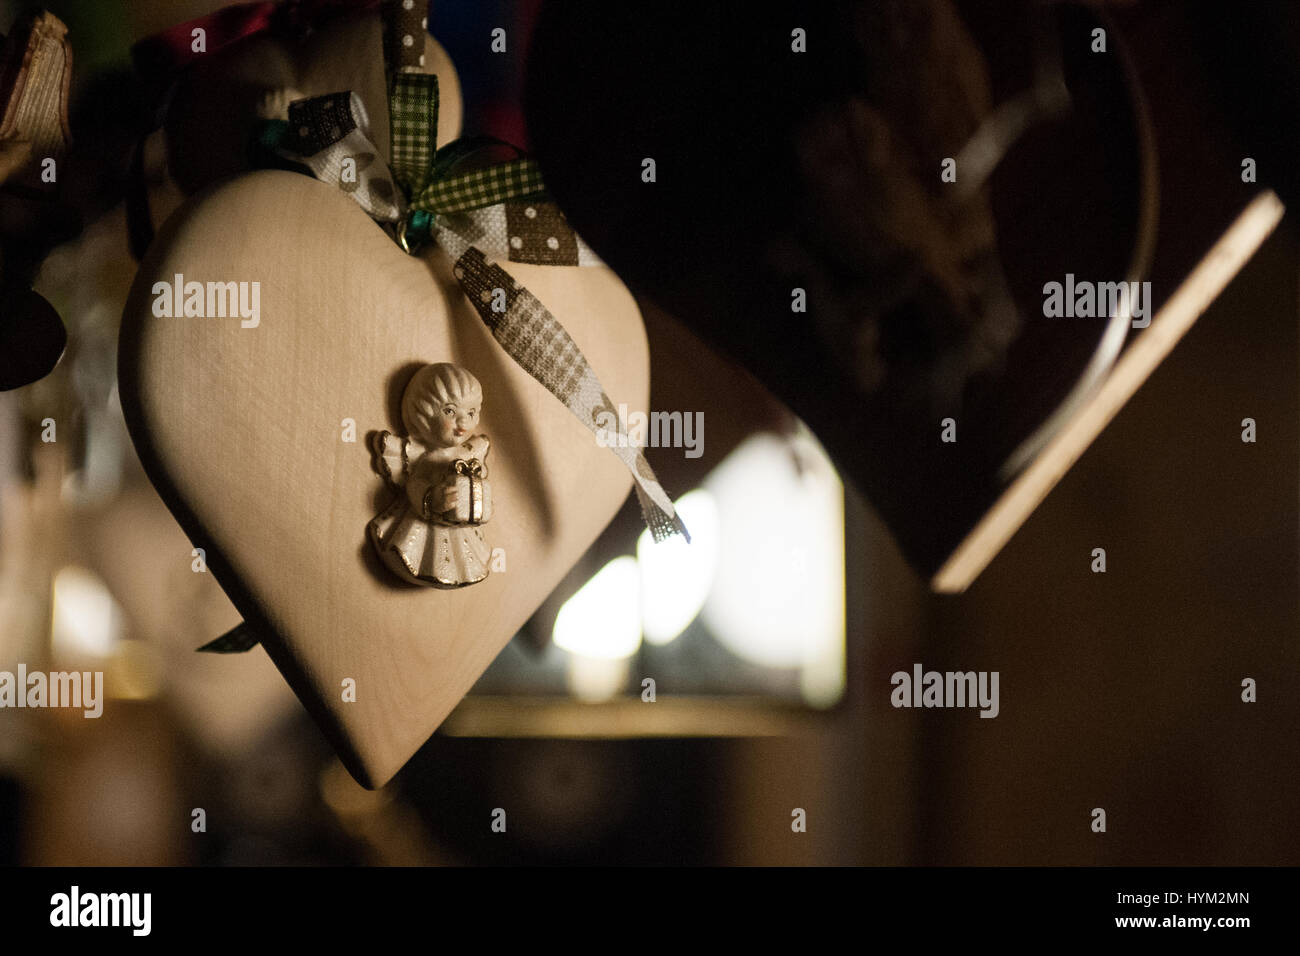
(35, 73)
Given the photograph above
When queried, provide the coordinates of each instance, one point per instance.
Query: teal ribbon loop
(415, 231)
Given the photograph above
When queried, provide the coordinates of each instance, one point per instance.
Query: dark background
(1118, 690)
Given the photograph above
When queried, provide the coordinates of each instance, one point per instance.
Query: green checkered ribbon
(477, 216)
(412, 112)
(482, 187)
(425, 173)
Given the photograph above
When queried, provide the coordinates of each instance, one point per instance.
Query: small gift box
(473, 494)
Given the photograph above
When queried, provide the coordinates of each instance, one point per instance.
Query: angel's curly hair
(432, 387)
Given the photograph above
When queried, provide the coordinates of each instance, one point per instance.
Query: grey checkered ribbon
(499, 212)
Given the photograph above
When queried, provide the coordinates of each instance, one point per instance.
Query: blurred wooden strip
(739, 716)
(1224, 260)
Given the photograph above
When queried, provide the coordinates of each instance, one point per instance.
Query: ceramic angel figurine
(431, 532)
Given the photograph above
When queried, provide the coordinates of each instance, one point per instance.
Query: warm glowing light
(136, 671)
(593, 679)
(603, 619)
(778, 591)
(676, 576)
(87, 621)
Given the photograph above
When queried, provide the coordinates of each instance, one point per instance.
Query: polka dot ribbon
(477, 216)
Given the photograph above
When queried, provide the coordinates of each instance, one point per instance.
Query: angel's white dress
(425, 551)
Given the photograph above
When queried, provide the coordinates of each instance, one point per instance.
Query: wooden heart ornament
(254, 425)
(245, 432)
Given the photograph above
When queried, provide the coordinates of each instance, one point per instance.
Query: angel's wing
(393, 456)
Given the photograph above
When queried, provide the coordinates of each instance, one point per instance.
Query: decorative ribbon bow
(476, 217)
(468, 466)
(473, 469)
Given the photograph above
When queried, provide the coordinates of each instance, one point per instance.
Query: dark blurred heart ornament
(32, 338)
(35, 71)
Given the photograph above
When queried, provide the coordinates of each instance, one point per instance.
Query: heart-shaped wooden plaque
(243, 429)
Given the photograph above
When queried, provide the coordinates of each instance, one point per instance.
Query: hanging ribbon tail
(536, 340)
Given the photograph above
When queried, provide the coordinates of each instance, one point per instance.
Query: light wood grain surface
(240, 428)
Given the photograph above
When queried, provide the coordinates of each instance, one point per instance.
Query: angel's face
(453, 422)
